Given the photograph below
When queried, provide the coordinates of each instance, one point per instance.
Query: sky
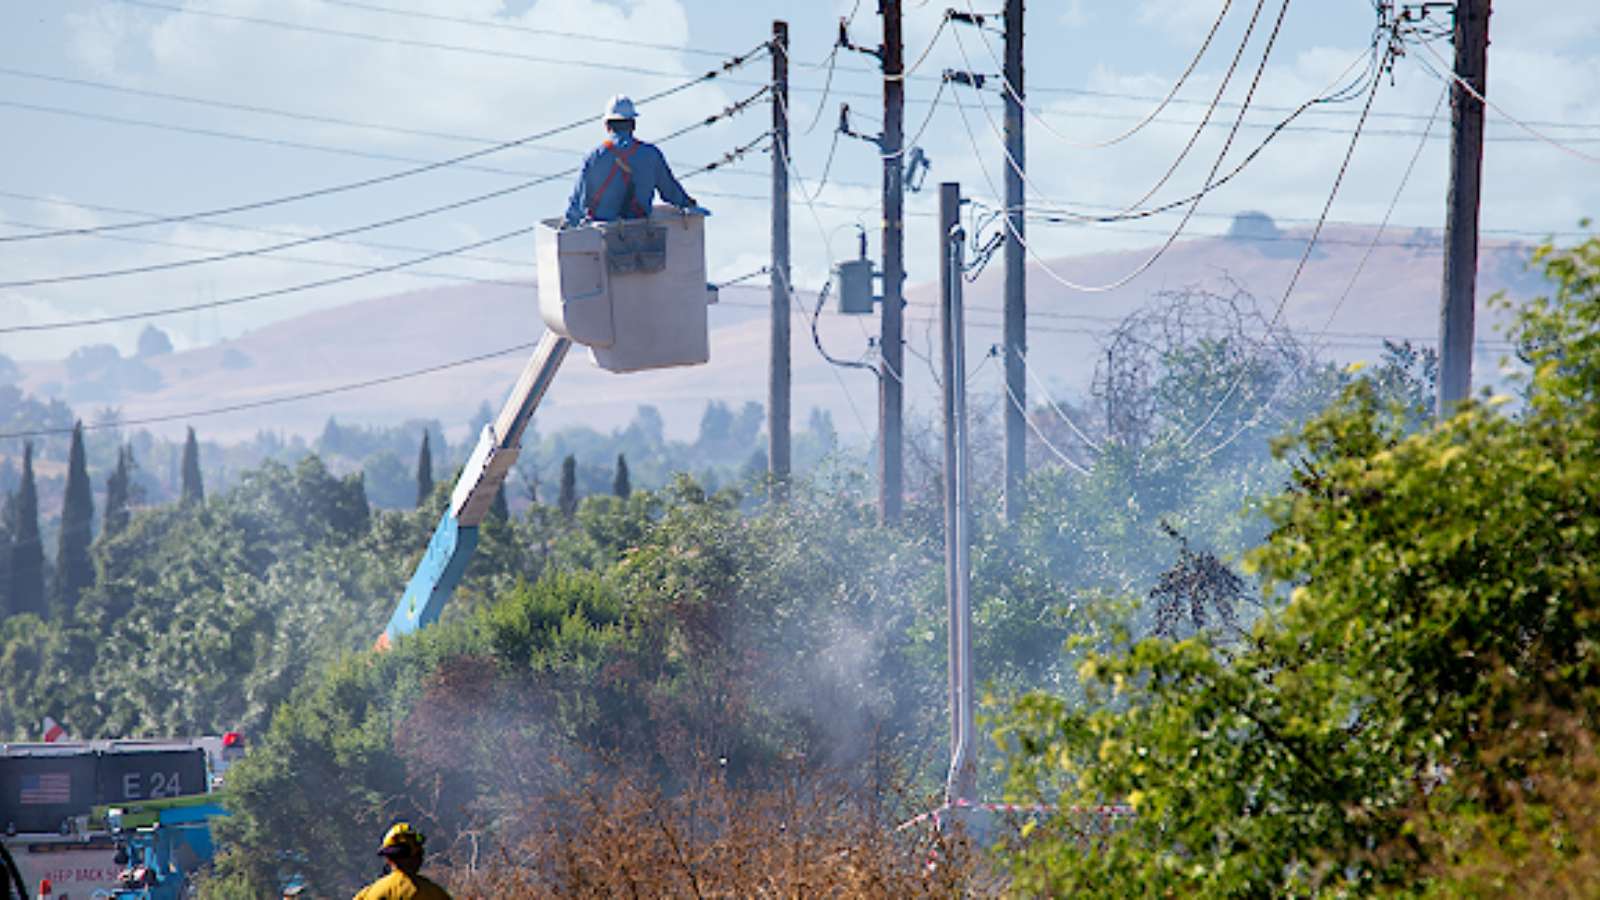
(113, 110)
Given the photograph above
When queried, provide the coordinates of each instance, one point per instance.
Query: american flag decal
(41, 790)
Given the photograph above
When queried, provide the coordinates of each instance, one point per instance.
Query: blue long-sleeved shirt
(650, 175)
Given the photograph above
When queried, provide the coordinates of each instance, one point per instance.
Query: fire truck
(62, 807)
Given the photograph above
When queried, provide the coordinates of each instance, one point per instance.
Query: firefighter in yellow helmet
(402, 851)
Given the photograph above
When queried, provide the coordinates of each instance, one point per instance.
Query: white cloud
(1180, 18)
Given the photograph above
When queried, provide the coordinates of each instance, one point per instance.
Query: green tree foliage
(118, 498)
(203, 618)
(27, 547)
(667, 629)
(567, 501)
(1379, 728)
(424, 471)
(74, 569)
(621, 484)
(194, 492)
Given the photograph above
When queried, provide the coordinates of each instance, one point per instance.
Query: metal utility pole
(962, 783)
(891, 343)
(1016, 322)
(778, 380)
(1461, 227)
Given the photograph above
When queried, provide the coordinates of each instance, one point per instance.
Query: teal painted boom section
(436, 577)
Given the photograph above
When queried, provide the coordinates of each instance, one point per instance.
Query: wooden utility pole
(891, 343)
(1461, 227)
(778, 380)
(962, 782)
(1016, 322)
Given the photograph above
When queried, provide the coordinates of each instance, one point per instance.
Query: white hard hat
(620, 107)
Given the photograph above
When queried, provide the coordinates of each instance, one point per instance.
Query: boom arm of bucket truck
(635, 293)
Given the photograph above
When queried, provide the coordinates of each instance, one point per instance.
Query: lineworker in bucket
(402, 852)
(621, 176)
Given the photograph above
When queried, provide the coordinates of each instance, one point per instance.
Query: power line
(260, 295)
(1150, 117)
(290, 289)
(1299, 268)
(726, 66)
(1449, 75)
(522, 29)
(257, 109)
(1405, 178)
(252, 229)
(1222, 87)
(1192, 202)
(414, 43)
(296, 260)
(258, 139)
(355, 229)
(275, 401)
(1038, 432)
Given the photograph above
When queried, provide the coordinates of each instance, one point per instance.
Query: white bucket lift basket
(634, 292)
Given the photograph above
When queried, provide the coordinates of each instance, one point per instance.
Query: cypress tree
(117, 496)
(568, 501)
(424, 471)
(27, 550)
(194, 491)
(7, 508)
(74, 569)
(621, 484)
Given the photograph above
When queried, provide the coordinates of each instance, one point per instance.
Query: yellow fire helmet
(401, 840)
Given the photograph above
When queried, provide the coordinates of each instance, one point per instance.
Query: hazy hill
(1396, 294)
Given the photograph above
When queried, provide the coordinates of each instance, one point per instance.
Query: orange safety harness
(620, 160)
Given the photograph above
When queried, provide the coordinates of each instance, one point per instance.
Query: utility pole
(778, 380)
(963, 776)
(1016, 322)
(891, 343)
(1461, 227)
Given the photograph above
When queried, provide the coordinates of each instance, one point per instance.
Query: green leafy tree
(1381, 726)
(74, 568)
(194, 491)
(118, 495)
(621, 484)
(424, 471)
(27, 548)
(567, 501)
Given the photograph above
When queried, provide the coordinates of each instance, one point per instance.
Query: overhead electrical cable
(784, 282)
(1305, 257)
(414, 43)
(292, 260)
(282, 291)
(1394, 201)
(1447, 73)
(255, 108)
(1038, 432)
(343, 232)
(1210, 183)
(1149, 117)
(1333, 93)
(287, 143)
(254, 229)
(522, 29)
(277, 400)
(728, 65)
(260, 295)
